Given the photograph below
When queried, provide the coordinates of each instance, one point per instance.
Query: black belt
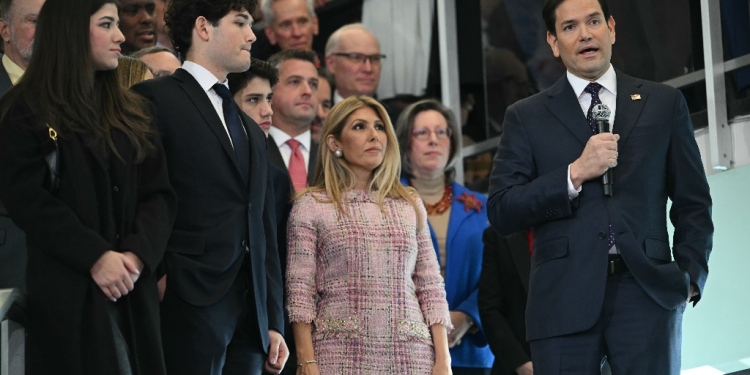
(615, 265)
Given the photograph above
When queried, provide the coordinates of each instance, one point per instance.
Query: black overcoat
(103, 203)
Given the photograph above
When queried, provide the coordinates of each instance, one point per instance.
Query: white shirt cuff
(572, 191)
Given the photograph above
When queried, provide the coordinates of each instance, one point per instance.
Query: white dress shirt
(337, 98)
(207, 81)
(286, 151)
(608, 96)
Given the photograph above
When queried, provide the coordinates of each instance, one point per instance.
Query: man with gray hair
(353, 57)
(290, 24)
(17, 27)
(160, 60)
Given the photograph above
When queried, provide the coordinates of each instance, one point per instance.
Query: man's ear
(5, 30)
(611, 26)
(330, 66)
(270, 35)
(552, 41)
(315, 25)
(201, 29)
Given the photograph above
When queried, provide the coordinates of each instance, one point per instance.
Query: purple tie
(593, 88)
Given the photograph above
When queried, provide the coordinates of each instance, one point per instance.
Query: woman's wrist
(307, 362)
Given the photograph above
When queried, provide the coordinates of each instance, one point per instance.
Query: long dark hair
(63, 88)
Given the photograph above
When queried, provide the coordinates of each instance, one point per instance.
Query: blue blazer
(464, 251)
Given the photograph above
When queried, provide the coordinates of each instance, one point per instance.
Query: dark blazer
(102, 204)
(278, 161)
(218, 216)
(5, 83)
(503, 287)
(12, 239)
(658, 159)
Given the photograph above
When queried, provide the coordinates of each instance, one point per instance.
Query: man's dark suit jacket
(12, 239)
(278, 161)
(503, 287)
(218, 214)
(658, 159)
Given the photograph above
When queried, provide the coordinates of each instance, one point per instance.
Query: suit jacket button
(116, 189)
(249, 207)
(602, 235)
(243, 244)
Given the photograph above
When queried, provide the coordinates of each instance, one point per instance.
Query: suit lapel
(199, 98)
(518, 246)
(5, 83)
(275, 155)
(255, 148)
(563, 103)
(628, 110)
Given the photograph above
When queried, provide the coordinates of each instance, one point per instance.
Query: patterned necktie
(236, 131)
(593, 88)
(297, 166)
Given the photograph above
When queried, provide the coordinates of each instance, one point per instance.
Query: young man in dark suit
(603, 279)
(222, 307)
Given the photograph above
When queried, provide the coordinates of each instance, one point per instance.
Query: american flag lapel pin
(635, 97)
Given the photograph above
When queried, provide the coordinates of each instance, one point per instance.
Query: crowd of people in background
(178, 206)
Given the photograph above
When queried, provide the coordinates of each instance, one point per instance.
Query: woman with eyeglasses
(83, 174)
(365, 294)
(427, 136)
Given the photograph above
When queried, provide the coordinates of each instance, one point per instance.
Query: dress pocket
(410, 330)
(337, 328)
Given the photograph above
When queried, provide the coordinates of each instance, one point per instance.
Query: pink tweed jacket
(369, 283)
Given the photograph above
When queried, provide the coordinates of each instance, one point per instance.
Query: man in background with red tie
(294, 105)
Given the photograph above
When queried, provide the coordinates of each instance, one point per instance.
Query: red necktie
(297, 166)
(530, 235)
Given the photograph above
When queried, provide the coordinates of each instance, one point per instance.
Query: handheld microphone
(600, 114)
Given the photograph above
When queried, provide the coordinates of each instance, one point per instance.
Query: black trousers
(220, 339)
(634, 334)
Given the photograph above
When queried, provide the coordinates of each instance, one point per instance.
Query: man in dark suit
(295, 105)
(17, 28)
(222, 307)
(603, 282)
(503, 287)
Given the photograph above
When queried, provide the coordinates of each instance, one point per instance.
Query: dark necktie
(236, 131)
(593, 88)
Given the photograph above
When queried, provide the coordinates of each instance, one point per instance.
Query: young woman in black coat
(97, 231)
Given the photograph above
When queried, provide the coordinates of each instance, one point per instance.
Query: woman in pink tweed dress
(365, 295)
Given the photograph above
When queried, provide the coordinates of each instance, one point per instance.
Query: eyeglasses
(360, 58)
(423, 134)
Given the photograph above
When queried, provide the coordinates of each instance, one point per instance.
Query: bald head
(353, 57)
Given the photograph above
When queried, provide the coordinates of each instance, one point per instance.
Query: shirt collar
(608, 80)
(205, 79)
(337, 98)
(14, 71)
(280, 137)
